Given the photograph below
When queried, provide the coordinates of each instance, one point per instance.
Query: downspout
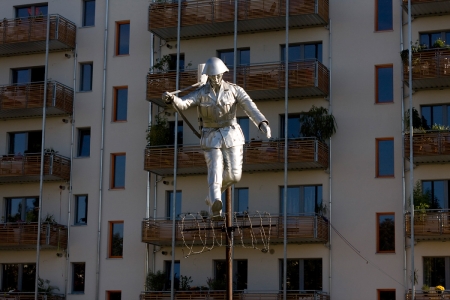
(41, 175)
(102, 145)
(329, 164)
(155, 190)
(69, 202)
(286, 106)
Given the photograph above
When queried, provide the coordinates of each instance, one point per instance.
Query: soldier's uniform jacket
(218, 113)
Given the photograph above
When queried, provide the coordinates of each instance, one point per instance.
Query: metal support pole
(229, 243)
(286, 110)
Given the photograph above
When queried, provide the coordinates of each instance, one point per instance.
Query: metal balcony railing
(202, 18)
(431, 295)
(429, 147)
(21, 36)
(259, 156)
(23, 236)
(426, 8)
(26, 168)
(432, 224)
(26, 100)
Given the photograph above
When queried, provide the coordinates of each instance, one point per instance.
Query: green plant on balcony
(404, 54)
(45, 287)
(165, 63)
(159, 132)
(416, 120)
(439, 43)
(216, 283)
(425, 288)
(185, 282)
(318, 123)
(49, 219)
(439, 127)
(155, 281)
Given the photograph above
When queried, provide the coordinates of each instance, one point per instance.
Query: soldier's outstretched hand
(167, 97)
(264, 127)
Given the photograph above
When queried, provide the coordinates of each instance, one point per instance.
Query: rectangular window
(84, 142)
(436, 271)
(118, 170)
(435, 114)
(115, 239)
(172, 63)
(386, 294)
(169, 201)
(22, 209)
(227, 56)
(86, 77)
(384, 15)
(385, 157)
(306, 199)
(168, 271)
(123, 38)
(31, 11)
(81, 209)
(438, 193)
(294, 126)
(244, 123)
(302, 274)
(78, 277)
(88, 13)
(24, 142)
(384, 84)
(113, 295)
(18, 277)
(302, 52)
(120, 105)
(179, 133)
(27, 75)
(240, 273)
(429, 38)
(240, 200)
(385, 232)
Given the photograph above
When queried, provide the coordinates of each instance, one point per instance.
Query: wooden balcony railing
(27, 100)
(303, 228)
(303, 153)
(307, 79)
(429, 147)
(202, 18)
(27, 35)
(21, 236)
(30, 296)
(425, 8)
(237, 295)
(429, 225)
(26, 168)
(430, 69)
(431, 295)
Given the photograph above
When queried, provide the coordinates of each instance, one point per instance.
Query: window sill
(81, 157)
(386, 252)
(381, 31)
(125, 121)
(84, 91)
(78, 225)
(89, 26)
(385, 177)
(121, 55)
(390, 102)
(76, 293)
(115, 258)
(116, 189)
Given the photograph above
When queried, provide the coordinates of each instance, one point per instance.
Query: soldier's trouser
(224, 169)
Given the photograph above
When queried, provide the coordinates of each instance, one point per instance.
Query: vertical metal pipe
(229, 245)
(102, 150)
(286, 111)
(330, 162)
(235, 40)
(41, 175)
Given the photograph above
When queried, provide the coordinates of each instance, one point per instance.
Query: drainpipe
(330, 106)
(286, 110)
(102, 145)
(41, 177)
(69, 202)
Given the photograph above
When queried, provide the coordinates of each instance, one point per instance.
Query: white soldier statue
(221, 138)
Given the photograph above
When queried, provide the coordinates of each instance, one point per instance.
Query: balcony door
(306, 199)
(31, 11)
(22, 209)
(438, 191)
(302, 274)
(25, 142)
(22, 76)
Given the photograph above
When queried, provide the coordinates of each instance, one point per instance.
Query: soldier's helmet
(214, 66)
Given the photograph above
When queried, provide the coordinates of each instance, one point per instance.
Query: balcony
(26, 168)
(307, 79)
(22, 236)
(27, 35)
(204, 18)
(429, 225)
(237, 295)
(431, 147)
(300, 229)
(259, 156)
(426, 8)
(27, 100)
(431, 295)
(430, 69)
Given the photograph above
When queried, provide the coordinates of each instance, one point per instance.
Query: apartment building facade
(81, 174)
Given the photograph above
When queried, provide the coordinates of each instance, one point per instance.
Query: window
(435, 114)
(245, 126)
(88, 13)
(169, 201)
(436, 271)
(172, 63)
(31, 11)
(240, 200)
(84, 142)
(168, 268)
(438, 192)
(385, 157)
(115, 239)
(240, 271)
(24, 209)
(86, 77)
(118, 170)
(179, 133)
(294, 126)
(120, 105)
(306, 199)
(78, 277)
(385, 232)
(18, 277)
(227, 56)
(384, 84)
(300, 52)
(27, 75)
(25, 142)
(429, 38)
(302, 274)
(123, 38)
(113, 295)
(383, 15)
(386, 294)
(81, 209)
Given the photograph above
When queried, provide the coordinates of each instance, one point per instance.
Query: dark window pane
(21, 76)
(241, 200)
(10, 277)
(124, 39)
(384, 15)
(84, 142)
(227, 57)
(89, 13)
(244, 57)
(310, 51)
(37, 74)
(119, 171)
(426, 117)
(293, 200)
(177, 205)
(387, 295)
(121, 105)
(179, 133)
(86, 77)
(18, 143)
(31, 210)
(385, 88)
(14, 209)
(386, 233)
(293, 274)
(434, 271)
(294, 126)
(78, 277)
(116, 240)
(28, 277)
(386, 158)
(176, 271)
(240, 274)
(81, 210)
(41, 10)
(115, 295)
(312, 274)
(437, 115)
(245, 126)
(173, 62)
(23, 12)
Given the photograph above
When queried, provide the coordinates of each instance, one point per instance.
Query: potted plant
(440, 289)
(318, 123)
(159, 132)
(425, 289)
(155, 281)
(45, 287)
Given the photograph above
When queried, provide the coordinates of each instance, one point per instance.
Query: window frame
(80, 143)
(20, 275)
(75, 221)
(377, 157)
(118, 37)
(23, 212)
(81, 87)
(301, 272)
(318, 51)
(378, 215)
(377, 83)
(377, 17)
(384, 290)
(113, 171)
(110, 238)
(318, 203)
(445, 115)
(239, 56)
(11, 144)
(32, 7)
(84, 13)
(109, 293)
(73, 278)
(169, 204)
(116, 90)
